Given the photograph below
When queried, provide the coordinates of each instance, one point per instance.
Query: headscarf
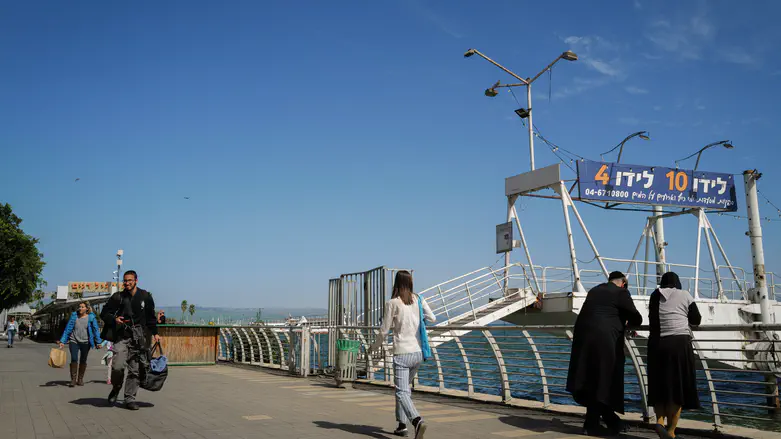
(670, 280)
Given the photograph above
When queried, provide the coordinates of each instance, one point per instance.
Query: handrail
(528, 362)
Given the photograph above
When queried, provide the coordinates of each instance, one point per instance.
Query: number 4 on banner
(602, 175)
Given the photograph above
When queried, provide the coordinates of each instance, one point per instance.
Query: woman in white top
(402, 314)
(10, 330)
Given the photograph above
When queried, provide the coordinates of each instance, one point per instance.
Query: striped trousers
(405, 366)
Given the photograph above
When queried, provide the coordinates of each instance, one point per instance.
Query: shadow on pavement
(66, 382)
(366, 430)
(55, 384)
(558, 426)
(102, 402)
(541, 425)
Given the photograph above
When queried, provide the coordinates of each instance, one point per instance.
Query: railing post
(290, 360)
(440, 374)
(369, 357)
(223, 339)
(281, 355)
(304, 360)
(506, 393)
(268, 346)
(444, 304)
(711, 387)
(254, 332)
(471, 305)
(541, 366)
(637, 277)
(469, 383)
(640, 372)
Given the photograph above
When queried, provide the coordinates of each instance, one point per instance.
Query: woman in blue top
(81, 334)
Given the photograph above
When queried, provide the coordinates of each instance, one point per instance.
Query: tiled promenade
(231, 402)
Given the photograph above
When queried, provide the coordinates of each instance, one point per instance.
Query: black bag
(155, 370)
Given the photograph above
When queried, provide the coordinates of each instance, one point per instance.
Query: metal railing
(463, 295)
(561, 279)
(532, 362)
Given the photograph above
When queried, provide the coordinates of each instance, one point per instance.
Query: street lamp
(725, 143)
(527, 112)
(641, 134)
(119, 268)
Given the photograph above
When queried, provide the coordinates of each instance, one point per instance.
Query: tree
(21, 264)
(184, 308)
(192, 311)
(36, 300)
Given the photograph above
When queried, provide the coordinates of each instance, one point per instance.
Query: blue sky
(318, 138)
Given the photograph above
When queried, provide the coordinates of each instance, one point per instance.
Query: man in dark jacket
(130, 316)
(596, 368)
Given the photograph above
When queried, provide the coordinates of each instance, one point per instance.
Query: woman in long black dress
(672, 381)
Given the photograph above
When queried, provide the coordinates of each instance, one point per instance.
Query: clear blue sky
(317, 138)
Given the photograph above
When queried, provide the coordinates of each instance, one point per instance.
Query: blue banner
(655, 185)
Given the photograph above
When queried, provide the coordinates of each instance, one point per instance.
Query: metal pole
(726, 259)
(510, 214)
(757, 252)
(661, 257)
(760, 281)
(578, 287)
(531, 124)
(719, 288)
(526, 249)
(588, 236)
(645, 266)
(697, 256)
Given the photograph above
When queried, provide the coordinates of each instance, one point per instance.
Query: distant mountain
(208, 313)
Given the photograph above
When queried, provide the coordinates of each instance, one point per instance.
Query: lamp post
(641, 134)
(725, 143)
(527, 112)
(119, 268)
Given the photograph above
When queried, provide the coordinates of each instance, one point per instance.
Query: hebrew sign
(656, 185)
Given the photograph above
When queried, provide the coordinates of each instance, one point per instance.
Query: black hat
(616, 275)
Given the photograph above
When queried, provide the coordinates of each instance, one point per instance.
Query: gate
(357, 299)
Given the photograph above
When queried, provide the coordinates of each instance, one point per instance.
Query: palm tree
(184, 308)
(192, 311)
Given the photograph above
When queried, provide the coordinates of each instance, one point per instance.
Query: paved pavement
(233, 402)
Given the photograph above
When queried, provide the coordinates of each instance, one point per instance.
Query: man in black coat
(596, 368)
(129, 316)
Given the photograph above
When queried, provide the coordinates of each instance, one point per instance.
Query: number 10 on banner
(678, 180)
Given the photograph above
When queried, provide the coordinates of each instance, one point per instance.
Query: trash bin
(346, 361)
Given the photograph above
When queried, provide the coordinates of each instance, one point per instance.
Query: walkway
(232, 402)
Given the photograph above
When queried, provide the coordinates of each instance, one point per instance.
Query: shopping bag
(57, 358)
(156, 370)
(424, 345)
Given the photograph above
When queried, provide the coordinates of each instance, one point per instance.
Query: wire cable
(770, 202)
(766, 218)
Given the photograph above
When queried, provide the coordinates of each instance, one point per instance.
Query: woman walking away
(10, 331)
(81, 334)
(672, 381)
(402, 313)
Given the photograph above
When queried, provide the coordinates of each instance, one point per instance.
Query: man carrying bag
(129, 319)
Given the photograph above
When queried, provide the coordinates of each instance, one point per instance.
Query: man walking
(596, 368)
(130, 316)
